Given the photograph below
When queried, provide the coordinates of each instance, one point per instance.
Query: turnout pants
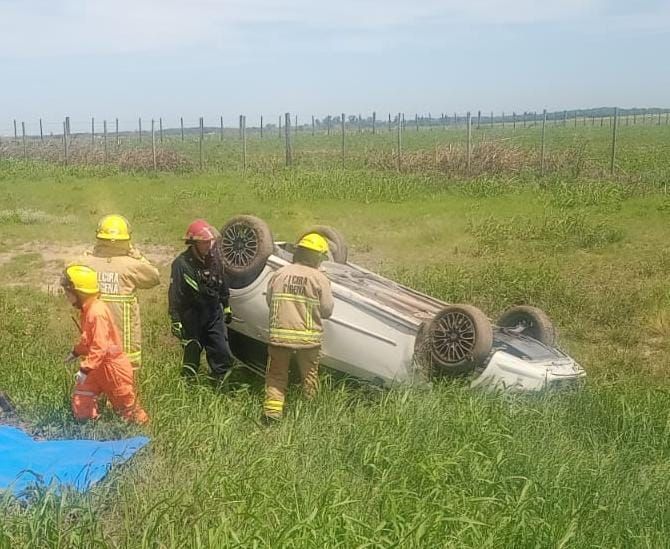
(114, 379)
(205, 329)
(276, 376)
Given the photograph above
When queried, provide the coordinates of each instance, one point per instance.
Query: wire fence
(592, 142)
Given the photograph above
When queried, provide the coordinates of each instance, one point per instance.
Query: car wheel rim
(454, 337)
(239, 245)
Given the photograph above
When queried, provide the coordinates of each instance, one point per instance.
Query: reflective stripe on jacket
(121, 272)
(299, 298)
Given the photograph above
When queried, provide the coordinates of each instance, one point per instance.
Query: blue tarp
(76, 463)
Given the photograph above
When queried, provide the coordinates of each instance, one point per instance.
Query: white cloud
(53, 27)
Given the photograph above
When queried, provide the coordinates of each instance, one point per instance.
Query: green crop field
(360, 467)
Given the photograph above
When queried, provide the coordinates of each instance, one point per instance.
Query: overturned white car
(387, 333)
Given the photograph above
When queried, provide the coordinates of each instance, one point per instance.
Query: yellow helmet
(113, 227)
(80, 278)
(314, 242)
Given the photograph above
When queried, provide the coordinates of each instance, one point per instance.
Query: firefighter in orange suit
(104, 368)
(299, 297)
(122, 270)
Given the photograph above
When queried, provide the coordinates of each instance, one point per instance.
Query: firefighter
(104, 368)
(122, 270)
(198, 302)
(299, 297)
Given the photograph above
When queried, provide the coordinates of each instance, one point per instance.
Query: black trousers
(205, 329)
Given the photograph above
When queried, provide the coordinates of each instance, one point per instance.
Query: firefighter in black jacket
(198, 302)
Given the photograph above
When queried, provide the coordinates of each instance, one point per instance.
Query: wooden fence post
(390, 126)
(181, 126)
(614, 127)
(153, 143)
(41, 132)
(279, 127)
(513, 120)
(416, 121)
(342, 121)
(399, 142)
(374, 122)
(544, 125)
(65, 142)
(202, 139)
(287, 135)
(23, 138)
(261, 126)
(469, 145)
(244, 144)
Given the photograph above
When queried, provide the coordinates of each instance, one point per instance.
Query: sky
(191, 58)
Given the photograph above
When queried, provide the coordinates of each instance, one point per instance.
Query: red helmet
(200, 230)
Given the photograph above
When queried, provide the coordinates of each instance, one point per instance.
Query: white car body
(372, 334)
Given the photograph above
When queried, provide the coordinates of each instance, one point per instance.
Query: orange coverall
(108, 370)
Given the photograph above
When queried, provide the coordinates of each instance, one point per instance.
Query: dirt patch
(56, 256)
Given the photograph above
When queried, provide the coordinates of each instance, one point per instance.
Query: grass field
(359, 467)
(642, 151)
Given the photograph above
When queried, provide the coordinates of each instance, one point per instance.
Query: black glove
(227, 315)
(177, 329)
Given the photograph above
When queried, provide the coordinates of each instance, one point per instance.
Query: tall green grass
(360, 467)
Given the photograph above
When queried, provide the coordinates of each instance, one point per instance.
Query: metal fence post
(41, 132)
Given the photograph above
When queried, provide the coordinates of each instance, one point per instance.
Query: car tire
(338, 250)
(534, 321)
(244, 246)
(458, 339)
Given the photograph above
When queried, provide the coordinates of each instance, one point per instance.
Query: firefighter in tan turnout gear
(299, 297)
(122, 270)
